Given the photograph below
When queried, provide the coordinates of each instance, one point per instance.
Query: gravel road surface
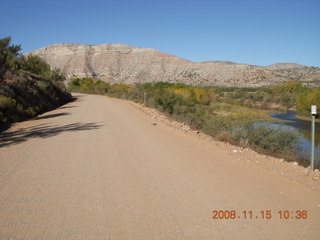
(99, 168)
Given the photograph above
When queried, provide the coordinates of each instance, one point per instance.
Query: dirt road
(99, 168)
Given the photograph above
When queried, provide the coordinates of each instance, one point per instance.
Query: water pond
(302, 127)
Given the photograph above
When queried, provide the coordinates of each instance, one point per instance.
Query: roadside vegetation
(28, 86)
(239, 116)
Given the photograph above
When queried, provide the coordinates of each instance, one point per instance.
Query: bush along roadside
(28, 86)
(203, 110)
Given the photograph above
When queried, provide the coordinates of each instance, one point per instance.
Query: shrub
(7, 109)
(215, 125)
(6, 102)
(43, 85)
(88, 85)
(266, 137)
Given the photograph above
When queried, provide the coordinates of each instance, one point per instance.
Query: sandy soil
(103, 168)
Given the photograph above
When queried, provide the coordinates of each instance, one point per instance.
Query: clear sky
(257, 32)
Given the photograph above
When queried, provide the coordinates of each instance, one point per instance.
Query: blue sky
(246, 31)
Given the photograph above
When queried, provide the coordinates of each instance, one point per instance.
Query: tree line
(290, 95)
(28, 85)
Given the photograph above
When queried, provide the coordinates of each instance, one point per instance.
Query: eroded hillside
(118, 63)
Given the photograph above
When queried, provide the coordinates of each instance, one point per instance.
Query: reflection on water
(303, 127)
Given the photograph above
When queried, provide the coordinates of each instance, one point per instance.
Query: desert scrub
(267, 138)
(6, 102)
(214, 125)
(222, 113)
(288, 95)
(43, 85)
(7, 109)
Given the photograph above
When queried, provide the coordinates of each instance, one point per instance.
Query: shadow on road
(52, 116)
(64, 107)
(42, 131)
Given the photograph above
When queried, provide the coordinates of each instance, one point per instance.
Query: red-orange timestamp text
(263, 214)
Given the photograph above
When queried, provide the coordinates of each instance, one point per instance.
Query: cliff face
(118, 63)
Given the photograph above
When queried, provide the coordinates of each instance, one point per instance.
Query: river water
(302, 127)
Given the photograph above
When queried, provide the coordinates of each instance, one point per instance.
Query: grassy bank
(28, 86)
(218, 112)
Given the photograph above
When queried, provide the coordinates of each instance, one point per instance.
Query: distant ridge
(279, 66)
(119, 63)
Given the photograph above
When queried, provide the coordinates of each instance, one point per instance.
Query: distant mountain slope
(118, 63)
(279, 66)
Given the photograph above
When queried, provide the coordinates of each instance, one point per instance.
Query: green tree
(306, 99)
(8, 56)
(36, 65)
(56, 75)
(289, 86)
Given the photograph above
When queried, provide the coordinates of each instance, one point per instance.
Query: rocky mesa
(118, 63)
